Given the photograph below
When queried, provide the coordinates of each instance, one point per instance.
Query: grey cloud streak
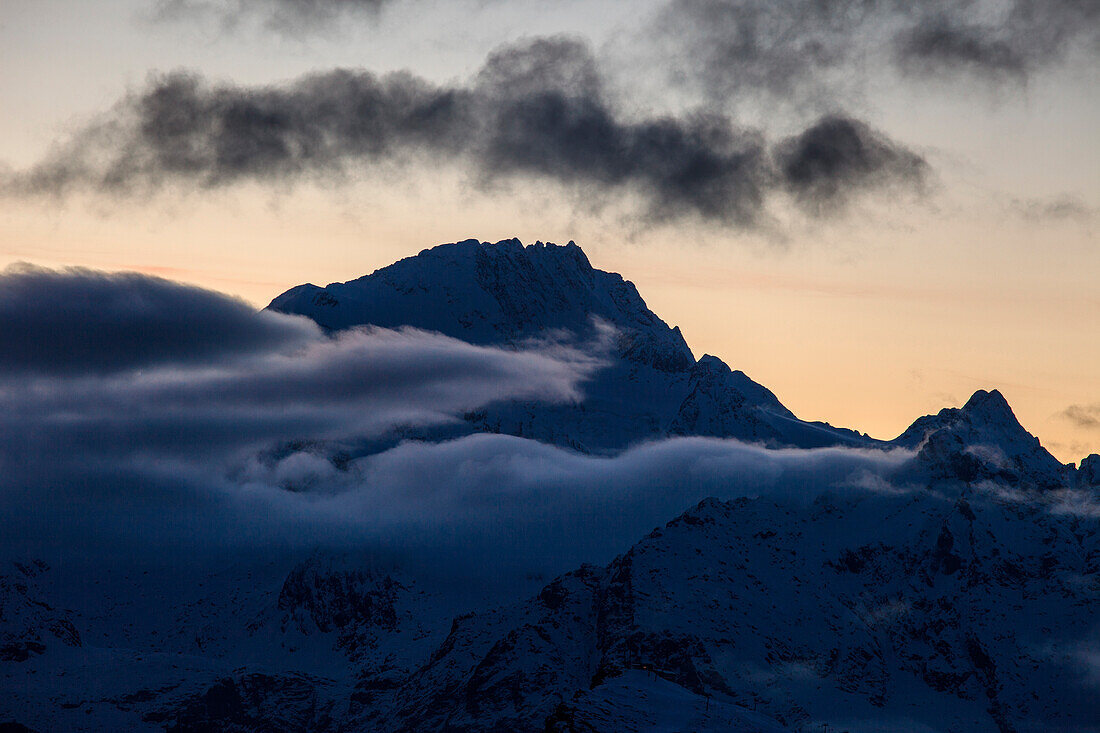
(83, 321)
(286, 16)
(113, 366)
(1025, 37)
(809, 51)
(1057, 208)
(536, 111)
(941, 43)
(1085, 416)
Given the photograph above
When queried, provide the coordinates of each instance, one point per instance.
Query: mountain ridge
(505, 292)
(945, 580)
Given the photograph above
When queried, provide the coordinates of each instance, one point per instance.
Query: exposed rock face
(253, 702)
(28, 624)
(317, 596)
(1088, 473)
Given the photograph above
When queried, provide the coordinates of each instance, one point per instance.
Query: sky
(873, 208)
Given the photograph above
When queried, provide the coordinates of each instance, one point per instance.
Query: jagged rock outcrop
(28, 623)
(319, 597)
(1088, 473)
(293, 703)
(338, 604)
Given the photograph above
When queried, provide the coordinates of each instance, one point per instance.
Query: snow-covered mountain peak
(985, 412)
(494, 293)
(991, 408)
(982, 440)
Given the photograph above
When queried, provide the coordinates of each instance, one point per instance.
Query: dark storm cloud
(808, 51)
(552, 120)
(81, 321)
(824, 163)
(180, 129)
(536, 111)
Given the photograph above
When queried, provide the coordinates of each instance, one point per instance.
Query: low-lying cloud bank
(527, 506)
(483, 506)
(81, 321)
(123, 391)
(164, 344)
(117, 440)
(245, 433)
(537, 110)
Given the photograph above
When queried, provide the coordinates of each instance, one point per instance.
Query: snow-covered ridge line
(505, 292)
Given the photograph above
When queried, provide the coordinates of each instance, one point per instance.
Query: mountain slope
(506, 292)
(982, 440)
(955, 586)
(913, 611)
(28, 623)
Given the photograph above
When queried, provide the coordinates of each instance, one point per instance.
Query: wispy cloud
(1058, 208)
(812, 52)
(105, 367)
(941, 43)
(1084, 416)
(1014, 39)
(285, 16)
